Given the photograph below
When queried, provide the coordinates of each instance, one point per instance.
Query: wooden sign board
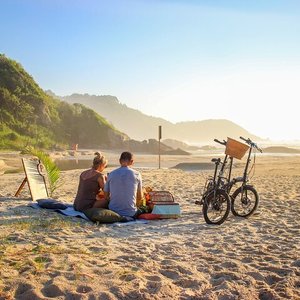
(34, 178)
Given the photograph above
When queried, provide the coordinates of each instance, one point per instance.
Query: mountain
(136, 124)
(29, 116)
(281, 149)
(140, 126)
(208, 130)
(178, 144)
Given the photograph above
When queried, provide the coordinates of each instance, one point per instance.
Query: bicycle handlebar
(222, 143)
(251, 144)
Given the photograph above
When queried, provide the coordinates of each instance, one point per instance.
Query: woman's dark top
(87, 190)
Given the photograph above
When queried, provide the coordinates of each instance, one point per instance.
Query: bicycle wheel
(244, 201)
(216, 207)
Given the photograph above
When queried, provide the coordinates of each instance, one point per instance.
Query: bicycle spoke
(216, 207)
(244, 201)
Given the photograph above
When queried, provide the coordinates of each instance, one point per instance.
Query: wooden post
(21, 187)
(159, 138)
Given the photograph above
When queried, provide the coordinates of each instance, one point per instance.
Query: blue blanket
(71, 212)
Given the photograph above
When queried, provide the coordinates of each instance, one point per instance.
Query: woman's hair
(99, 159)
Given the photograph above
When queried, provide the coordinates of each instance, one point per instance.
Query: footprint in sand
(273, 279)
(107, 296)
(256, 275)
(231, 265)
(269, 259)
(279, 271)
(52, 291)
(128, 277)
(153, 286)
(174, 272)
(125, 258)
(28, 295)
(247, 260)
(296, 263)
(155, 278)
(268, 294)
(171, 274)
(167, 262)
(221, 277)
(83, 289)
(193, 284)
(24, 289)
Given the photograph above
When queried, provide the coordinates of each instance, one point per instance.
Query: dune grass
(40, 224)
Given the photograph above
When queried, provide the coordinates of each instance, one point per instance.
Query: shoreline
(10, 162)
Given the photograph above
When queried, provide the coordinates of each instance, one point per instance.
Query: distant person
(124, 187)
(91, 184)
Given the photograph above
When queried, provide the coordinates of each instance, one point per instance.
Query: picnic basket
(161, 205)
(235, 148)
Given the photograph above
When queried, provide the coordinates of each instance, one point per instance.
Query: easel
(34, 178)
(21, 187)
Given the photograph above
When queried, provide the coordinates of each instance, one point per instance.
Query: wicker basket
(235, 148)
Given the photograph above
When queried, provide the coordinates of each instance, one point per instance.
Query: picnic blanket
(71, 212)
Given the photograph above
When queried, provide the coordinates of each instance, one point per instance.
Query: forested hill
(28, 116)
(137, 125)
(141, 126)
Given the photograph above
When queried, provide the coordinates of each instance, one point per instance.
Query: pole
(159, 138)
(159, 154)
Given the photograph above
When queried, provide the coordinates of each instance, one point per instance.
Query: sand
(44, 255)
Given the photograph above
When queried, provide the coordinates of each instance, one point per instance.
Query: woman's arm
(101, 201)
(101, 181)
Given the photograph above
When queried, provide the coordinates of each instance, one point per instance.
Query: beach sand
(44, 255)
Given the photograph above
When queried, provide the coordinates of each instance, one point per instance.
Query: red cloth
(149, 216)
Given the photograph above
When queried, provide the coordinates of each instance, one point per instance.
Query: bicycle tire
(242, 204)
(218, 203)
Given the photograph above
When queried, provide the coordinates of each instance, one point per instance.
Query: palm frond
(52, 171)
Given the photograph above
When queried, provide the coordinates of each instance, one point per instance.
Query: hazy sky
(180, 60)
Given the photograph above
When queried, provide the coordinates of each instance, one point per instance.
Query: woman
(91, 183)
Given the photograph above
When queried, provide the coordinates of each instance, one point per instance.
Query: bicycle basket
(235, 148)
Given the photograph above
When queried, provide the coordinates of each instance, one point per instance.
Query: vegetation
(53, 172)
(28, 116)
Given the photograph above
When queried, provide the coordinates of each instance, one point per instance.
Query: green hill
(28, 116)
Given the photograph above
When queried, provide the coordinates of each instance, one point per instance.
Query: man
(123, 187)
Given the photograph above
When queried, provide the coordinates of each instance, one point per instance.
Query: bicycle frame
(216, 182)
(244, 179)
(216, 199)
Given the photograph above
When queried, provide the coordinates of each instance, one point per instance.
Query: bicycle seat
(216, 160)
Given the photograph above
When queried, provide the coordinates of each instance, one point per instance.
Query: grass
(13, 171)
(36, 225)
(25, 249)
(35, 258)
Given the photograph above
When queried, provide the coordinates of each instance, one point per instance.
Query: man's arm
(106, 196)
(106, 190)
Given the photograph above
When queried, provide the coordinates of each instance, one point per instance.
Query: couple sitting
(119, 191)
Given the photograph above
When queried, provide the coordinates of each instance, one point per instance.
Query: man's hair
(126, 156)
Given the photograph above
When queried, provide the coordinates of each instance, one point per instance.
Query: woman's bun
(99, 159)
(98, 154)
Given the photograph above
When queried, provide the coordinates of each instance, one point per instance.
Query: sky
(182, 60)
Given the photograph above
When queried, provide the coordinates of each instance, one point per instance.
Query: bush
(12, 136)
